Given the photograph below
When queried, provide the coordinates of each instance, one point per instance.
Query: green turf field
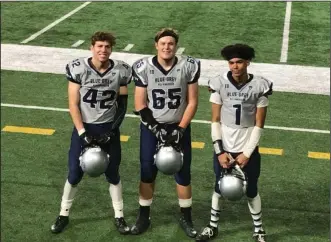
(295, 189)
(204, 27)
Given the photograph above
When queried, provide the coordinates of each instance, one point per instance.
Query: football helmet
(94, 161)
(233, 183)
(168, 160)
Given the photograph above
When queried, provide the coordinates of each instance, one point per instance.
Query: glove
(174, 138)
(105, 138)
(86, 139)
(159, 131)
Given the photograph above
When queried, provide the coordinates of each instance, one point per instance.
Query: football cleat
(141, 226)
(60, 223)
(259, 236)
(121, 226)
(188, 228)
(208, 233)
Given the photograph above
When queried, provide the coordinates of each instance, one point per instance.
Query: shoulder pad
(140, 65)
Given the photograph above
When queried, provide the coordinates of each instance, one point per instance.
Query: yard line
(78, 43)
(35, 35)
(286, 32)
(193, 121)
(180, 51)
(128, 47)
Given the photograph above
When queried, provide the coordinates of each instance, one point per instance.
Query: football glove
(105, 138)
(159, 132)
(86, 139)
(174, 138)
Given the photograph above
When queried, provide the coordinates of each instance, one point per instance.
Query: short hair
(238, 51)
(103, 36)
(167, 32)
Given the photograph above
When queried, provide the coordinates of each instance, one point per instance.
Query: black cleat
(259, 236)
(121, 226)
(60, 223)
(208, 233)
(187, 226)
(141, 226)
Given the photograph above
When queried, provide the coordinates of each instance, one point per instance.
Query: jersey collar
(158, 66)
(111, 62)
(236, 84)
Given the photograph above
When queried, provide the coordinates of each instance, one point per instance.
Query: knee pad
(75, 177)
(113, 179)
(183, 179)
(252, 190)
(148, 172)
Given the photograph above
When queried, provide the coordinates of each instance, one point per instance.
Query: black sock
(187, 213)
(144, 211)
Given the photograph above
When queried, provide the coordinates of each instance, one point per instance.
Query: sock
(145, 206)
(215, 210)
(186, 208)
(115, 192)
(254, 205)
(69, 192)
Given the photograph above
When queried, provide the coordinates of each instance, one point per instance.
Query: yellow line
(271, 151)
(28, 130)
(319, 155)
(124, 138)
(198, 145)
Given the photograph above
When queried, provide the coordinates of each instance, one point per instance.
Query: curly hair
(103, 36)
(238, 51)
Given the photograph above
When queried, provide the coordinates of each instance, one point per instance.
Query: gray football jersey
(98, 92)
(166, 90)
(239, 102)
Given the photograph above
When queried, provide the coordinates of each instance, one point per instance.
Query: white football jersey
(98, 91)
(239, 104)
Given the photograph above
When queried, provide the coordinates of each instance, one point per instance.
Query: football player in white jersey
(239, 106)
(166, 97)
(97, 92)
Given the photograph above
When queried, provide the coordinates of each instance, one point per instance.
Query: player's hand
(174, 138)
(224, 160)
(159, 132)
(105, 138)
(86, 139)
(242, 160)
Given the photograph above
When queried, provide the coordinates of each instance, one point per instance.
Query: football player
(166, 97)
(97, 93)
(239, 106)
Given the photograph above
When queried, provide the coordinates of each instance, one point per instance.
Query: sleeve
(138, 73)
(126, 74)
(194, 68)
(266, 87)
(72, 71)
(214, 85)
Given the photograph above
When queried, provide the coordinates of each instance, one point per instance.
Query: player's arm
(122, 104)
(255, 136)
(74, 99)
(192, 105)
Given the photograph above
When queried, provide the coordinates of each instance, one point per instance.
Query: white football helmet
(168, 160)
(94, 161)
(233, 183)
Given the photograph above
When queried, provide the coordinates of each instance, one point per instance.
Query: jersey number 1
(91, 98)
(238, 113)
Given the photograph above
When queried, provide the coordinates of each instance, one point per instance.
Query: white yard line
(180, 51)
(128, 47)
(193, 121)
(78, 43)
(35, 35)
(286, 32)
